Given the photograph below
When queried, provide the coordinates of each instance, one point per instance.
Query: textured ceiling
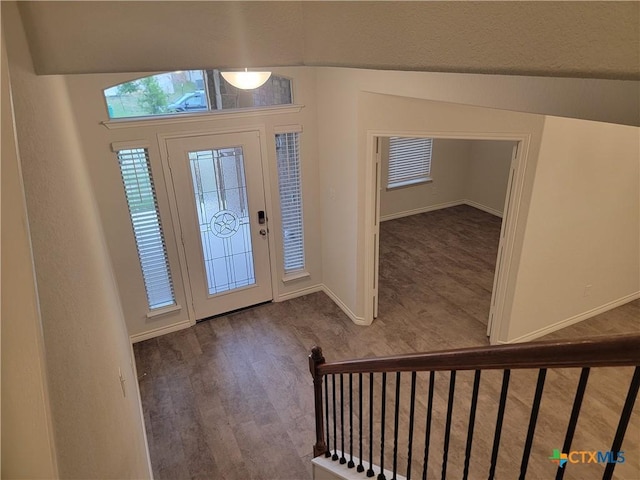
(569, 39)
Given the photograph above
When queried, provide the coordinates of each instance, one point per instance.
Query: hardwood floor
(453, 254)
(231, 398)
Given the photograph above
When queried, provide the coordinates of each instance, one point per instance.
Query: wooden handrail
(611, 351)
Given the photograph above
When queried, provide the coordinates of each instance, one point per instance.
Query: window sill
(290, 277)
(199, 117)
(409, 183)
(163, 311)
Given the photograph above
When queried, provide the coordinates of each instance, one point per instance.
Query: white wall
(346, 115)
(88, 105)
(592, 99)
(349, 113)
(98, 432)
(330, 169)
(583, 227)
(475, 172)
(28, 446)
(385, 113)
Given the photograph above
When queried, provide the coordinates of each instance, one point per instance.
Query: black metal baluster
(472, 421)
(360, 465)
(412, 410)
(496, 437)
(535, 408)
(326, 401)
(573, 420)
(370, 472)
(351, 464)
(623, 423)
(447, 431)
(427, 433)
(342, 459)
(382, 419)
(395, 428)
(335, 433)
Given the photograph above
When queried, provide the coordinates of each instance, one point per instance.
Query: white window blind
(287, 150)
(409, 161)
(147, 229)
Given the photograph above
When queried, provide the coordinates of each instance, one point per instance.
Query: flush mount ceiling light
(246, 80)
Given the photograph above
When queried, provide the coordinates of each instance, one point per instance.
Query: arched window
(191, 91)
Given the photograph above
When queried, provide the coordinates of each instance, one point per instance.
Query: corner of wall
(87, 350)
(28, 443)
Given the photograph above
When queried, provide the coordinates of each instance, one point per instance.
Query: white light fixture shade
(246, 80)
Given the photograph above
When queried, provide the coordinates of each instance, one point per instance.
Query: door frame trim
(162, 139)
(512, 210)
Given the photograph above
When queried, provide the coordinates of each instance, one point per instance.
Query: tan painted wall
(489, 165)
(513, 38)
(27, 440)
(105, 37)
(85, 92)
(582, 229)
(571, 39)
(98, 432)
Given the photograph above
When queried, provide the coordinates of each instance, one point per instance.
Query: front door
(219, 192)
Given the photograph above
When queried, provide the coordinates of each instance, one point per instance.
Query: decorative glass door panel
(223, 215)
(225, 245)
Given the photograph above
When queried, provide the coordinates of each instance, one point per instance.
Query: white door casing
(218, 185)
(496, 322)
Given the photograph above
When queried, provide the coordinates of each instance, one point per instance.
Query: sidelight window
(147, 228)
(288, 157)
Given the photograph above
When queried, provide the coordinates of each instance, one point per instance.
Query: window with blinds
(147, 228)
(409, 161)
(287, 152)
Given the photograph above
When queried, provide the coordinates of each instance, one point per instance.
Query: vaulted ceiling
(558, 39)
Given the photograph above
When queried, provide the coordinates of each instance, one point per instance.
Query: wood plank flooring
(445, 258)
(231, 398)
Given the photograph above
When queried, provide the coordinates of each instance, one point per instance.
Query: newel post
(315, 360)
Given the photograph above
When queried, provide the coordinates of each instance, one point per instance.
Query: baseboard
(299, 293)
(281, 298)
(484, 208)
(136, 375)
(416, 211)
(354, 318)
(440, 206)
(174, 327)
(575, 319)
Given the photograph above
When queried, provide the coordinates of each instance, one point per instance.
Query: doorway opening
(440, 246)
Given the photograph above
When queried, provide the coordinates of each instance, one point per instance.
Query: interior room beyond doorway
(439, 238)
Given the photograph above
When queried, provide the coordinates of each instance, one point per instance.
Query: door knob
(263, 232)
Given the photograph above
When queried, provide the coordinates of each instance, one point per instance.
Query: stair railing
(614, 351)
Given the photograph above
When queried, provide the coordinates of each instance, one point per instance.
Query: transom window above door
(191, 91)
